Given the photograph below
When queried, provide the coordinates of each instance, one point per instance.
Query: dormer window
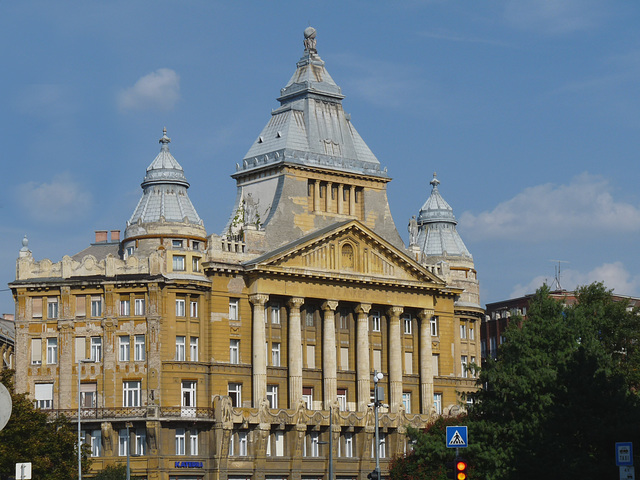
(176, 243)
(195, 245)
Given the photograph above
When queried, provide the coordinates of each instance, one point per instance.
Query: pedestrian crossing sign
(457, 437)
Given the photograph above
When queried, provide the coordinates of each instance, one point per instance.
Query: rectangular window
(193, 349)
(81, 306)
(433, 322)
(180, 441)
(89, 395)
(139, 306)
(472, 333)
(344, 319)
(463, 331)
(342, 399)
(307, 396)
(406, 320)
(311, 356)
(375, 321)
(188, 398)
(140, 441)
(348, 445)
(314, 447)
(437, 403)
(275, 354)
(125, 308)
(44, 395)
(242, 444)
(310, 316)
(176, 243)
(80, 350)
(96, 349)
(36, 351)
(344, 358)
(408, 363)
(272, 396)
(131, 393)
(195, 245)
(275, 313)
(36, 307)
(139, 348)
(435, 364)
(52, 307)
(180, 307)
(473, 362)
(193, 309)
(52, 351)
(195, 264)
(234, 351)
(96, 306)
(463, 366)
(382, 446)
(178, 263)
(234, 313)
(406, 401)
(235, 392)
(193, 443)
(123, 442)
(279, 441)
(377, 360)
(96, 443)
(130, 251)
(180, 348)
(124, 348)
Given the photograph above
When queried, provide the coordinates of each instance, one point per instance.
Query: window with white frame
(180, 307)
(139, 306)
(234, 351)
(344, 358)
(180, 348)
(140, 441)
(176, 243)
(195, 264)
(125, 308)
(406, 401)
(178, 263)
(180, 441)
(437, 403)
(52, 351)
(242, 444)
(311, 356)
(314, 446)
(234, 313)
(124, 348)
(123, 442)
(275, 313)
(408, 363)
(52, 307)
(463, 331)
(272, 396)
(309, 315)
(307, 396)
(464, 365)
(131, 393)
(139, 351)
(36, 351)
(275, 354)
(232, 444)
(382, 446)
(342, 399)
(89, 395)
(96, 442)
(193, 309)
(235, 393)
(130, 251)
(96, 306)
(406, 321)
(279, 443)
(193, 349)
(473, 362)
(188, 398)
(43, 395)
(375, 321)
(347, 440)
(193, 442)
(96, 349)
(344, 318)
(433, 323)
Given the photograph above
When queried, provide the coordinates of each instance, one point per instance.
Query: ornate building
(241, 355)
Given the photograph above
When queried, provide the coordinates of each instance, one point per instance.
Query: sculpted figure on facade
(310, 40)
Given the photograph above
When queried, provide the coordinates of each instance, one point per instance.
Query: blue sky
(528, 110)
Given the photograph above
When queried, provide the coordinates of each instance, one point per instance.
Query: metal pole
(79, 428)
(128, 452)
(330, 443)
(376, 403)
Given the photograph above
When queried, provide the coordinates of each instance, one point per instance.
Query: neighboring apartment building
(231, 355)
(499, 314)
(7, 341)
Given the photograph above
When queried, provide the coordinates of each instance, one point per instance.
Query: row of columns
(340, 206)
(329, 354)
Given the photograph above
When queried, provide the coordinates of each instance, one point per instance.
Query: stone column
(316, 196)
(340, 198)
(295, 352)
(259, 360)
(352, 200)
(329, 365)
(329, 194)
(395, 359)
(426, 362)
(363, 365)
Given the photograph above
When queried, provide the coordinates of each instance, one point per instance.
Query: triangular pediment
(349, 251)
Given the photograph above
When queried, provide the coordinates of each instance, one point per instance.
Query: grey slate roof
(164, 191)
(310, 127)
(437, 234)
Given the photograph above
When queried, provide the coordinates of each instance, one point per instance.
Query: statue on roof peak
(310, 40)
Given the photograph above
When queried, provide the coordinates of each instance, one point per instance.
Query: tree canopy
(562, 391)
(30, 436)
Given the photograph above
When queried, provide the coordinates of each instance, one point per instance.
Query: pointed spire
(164, 141)
(435, 182)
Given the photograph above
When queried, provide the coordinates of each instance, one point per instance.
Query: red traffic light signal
(460, 469)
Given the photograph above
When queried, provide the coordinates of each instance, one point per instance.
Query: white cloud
(553, 16)
(159, 90)
(614, 276)
(60, 200)
(550, 211)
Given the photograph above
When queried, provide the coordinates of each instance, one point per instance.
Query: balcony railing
(100, 413)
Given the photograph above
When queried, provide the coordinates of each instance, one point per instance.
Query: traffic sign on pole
(457, 437)
(624, 454)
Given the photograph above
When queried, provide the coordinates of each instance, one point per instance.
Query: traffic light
(460, 469)
(373, 475)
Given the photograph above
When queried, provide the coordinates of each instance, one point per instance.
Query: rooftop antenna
(556, 281)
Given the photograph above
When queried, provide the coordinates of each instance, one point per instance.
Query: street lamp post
(128, 425)
(80, 362)
(330, 443)
(378, 396)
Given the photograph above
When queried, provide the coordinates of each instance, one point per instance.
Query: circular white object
(5, 406)
(380, 375)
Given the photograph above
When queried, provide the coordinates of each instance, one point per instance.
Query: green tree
(114, 472)
(30, 436)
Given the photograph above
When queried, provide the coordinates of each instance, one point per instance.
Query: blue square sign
(457, 437)
(624, 454)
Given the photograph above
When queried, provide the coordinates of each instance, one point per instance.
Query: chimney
(115, 235)
(101, 236)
